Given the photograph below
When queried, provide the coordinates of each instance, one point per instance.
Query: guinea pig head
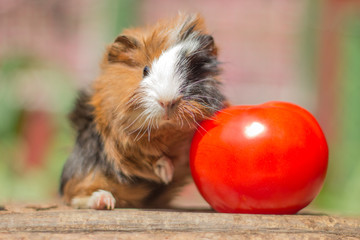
(166, 74)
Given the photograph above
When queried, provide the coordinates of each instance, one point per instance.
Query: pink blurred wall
(67, 34)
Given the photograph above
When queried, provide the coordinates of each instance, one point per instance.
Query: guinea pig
(136, 122)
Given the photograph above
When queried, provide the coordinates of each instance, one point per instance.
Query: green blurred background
(306, 52)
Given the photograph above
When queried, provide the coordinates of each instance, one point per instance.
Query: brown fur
(115, 112)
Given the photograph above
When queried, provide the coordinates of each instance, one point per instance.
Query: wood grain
(64, 223)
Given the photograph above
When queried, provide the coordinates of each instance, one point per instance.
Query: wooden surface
(59, 222)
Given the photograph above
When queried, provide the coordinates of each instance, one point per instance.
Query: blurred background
(306, 52)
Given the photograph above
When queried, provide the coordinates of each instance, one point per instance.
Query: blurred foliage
(341, 192)
(16, 73)
(120, 15)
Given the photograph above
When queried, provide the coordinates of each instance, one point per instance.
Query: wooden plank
(50, 222)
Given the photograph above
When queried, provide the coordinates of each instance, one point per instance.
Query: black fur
(202, 68)
(88, 152)
(187, 33)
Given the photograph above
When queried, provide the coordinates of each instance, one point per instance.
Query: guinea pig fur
(135, 125)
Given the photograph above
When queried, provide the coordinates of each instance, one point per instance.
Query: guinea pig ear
(207, 43)
(127, 41)
(122, 50)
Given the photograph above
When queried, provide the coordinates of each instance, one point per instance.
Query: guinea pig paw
(102, 200)
(164, 169)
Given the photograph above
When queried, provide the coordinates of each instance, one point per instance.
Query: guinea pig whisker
(136, 100)
(140, 132)
(149, 127)
(181, 111)
(116, 110)
(145, 127)
(149, 131)
(137, 107)
(196, 108)
(212, 108)
(193, 84)
(185, 117)
(180, 119)
(193, 117)
(209, 107)
(189, 111)
(138, 128)
(201, 127)
(140, 115)
(197, 82)
(201, 98)
(213, 98)
(139, 104)
(217, 110)
(156, 123)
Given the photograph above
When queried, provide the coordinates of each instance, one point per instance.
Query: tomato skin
(270, 158)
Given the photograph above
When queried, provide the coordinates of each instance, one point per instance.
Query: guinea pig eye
(146, 71)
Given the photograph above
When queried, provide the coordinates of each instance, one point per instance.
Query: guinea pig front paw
(102, 200)
(164, 169)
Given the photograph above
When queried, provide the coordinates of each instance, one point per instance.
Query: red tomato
(270, 159)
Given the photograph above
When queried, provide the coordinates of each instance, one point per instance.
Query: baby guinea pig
(135, 125)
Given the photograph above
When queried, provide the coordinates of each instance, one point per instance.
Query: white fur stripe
(163, 84)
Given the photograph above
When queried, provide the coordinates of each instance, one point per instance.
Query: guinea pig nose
(168, 105)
